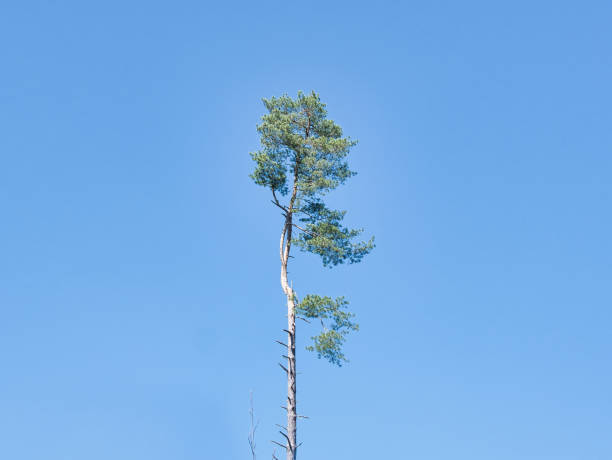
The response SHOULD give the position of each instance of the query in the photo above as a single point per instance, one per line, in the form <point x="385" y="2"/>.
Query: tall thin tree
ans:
<point x="303" y="157"/>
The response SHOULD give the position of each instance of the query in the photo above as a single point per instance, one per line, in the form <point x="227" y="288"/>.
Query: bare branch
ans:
<point x="284" y="368"/>
<point x="315" y="235"/>
<point x="283" y="344"/>
<point x="253" y="429"/>
<point x="286" y="437"/>
<point x="279" y="444"/>
<point x="277" y="203"/>
<point x="284" y="210"/>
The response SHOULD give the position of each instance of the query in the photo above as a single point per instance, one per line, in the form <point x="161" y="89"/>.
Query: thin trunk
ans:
<point x="285" y="249"/>
<point x="291" y="369"/>
<point x="291" y="382"/>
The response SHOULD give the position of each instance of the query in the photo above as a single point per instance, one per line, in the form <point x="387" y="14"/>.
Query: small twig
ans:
<point x="253" y="429"/>
<point x="277" y="203"/>
<point x="284" y="368"/>
<point x="279" y="444"/>
<point x="286" y="437"/>
<point x="314" y="235"/>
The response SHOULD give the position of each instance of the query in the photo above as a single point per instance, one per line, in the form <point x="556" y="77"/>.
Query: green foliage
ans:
<point x="298" y="141"/>
<point x="297" y="136"/>
<point x="336" y="323"/>
<point x="303" y="156"/>
<point x="325" y="236"/>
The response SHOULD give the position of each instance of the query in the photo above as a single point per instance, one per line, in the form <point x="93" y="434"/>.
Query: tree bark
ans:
<point x="291" y="382"/>
<point x="285" y="247"/>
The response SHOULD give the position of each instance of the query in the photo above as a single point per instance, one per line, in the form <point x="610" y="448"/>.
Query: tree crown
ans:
<point x="299" y="141"/>
<point x="303" y="157"/>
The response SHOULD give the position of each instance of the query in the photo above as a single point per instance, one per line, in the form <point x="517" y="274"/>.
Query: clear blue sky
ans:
<point x="139" y="288"/>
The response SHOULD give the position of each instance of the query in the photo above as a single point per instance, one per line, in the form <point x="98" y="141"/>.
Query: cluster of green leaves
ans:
<point x="299" y="142"/>
<point x="303" y="155"/>
<point x="297" y="138"/>
<point x="336" y="323"/>
<point x="325" y="236"/>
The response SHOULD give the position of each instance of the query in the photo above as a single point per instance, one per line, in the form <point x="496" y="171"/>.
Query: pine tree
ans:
<point x="302" y="158"/>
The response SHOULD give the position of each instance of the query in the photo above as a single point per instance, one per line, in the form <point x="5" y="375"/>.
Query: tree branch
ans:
<point x="277" y="203"/>
<point x="253" y="429"/>
<point x="279" y="444"/>
<point x="315" y="235"/>
<point x="286" y="437"/>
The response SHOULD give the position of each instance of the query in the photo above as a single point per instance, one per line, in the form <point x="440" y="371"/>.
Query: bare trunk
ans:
<point x="285" y="248"/>
<point x="291" y="382"/>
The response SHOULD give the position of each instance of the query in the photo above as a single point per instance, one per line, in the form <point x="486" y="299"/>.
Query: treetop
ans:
<point x="303" y="155"/>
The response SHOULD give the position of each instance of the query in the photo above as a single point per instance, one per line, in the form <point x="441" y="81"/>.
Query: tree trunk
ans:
<point x="291" y="381"/>
<point x="285" y="248"/>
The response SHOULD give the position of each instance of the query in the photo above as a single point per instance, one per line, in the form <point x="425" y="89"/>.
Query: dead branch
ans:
<point x="253" y="428"/>
<point x="279" y="444"/>
<point x="286" y="437"/>
<point x="277" y="203"/>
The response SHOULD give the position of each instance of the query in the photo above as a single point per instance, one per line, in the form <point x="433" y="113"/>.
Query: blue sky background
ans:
<point x="139" y="291"/>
